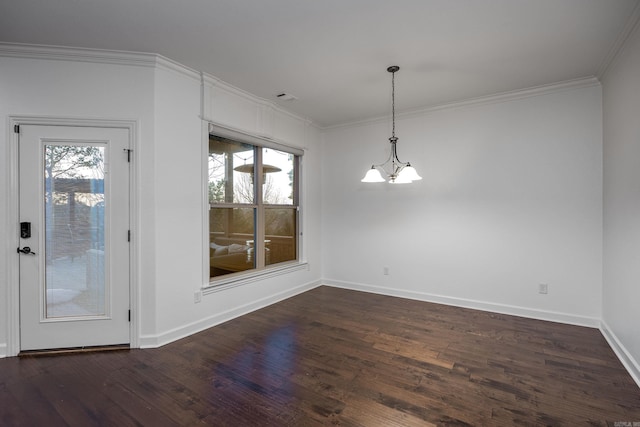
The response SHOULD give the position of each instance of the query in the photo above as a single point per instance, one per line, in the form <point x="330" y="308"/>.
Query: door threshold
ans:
<point x="73" y="350"/>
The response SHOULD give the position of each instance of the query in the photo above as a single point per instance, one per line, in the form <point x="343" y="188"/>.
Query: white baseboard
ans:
<point x="3" y="350"/>
<point x="551" y="316"/>
<point x="154" y="341"/>
<point x="629" y="362"/>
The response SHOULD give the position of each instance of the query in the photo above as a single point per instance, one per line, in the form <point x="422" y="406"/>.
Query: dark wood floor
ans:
<point x="336" y="357"/>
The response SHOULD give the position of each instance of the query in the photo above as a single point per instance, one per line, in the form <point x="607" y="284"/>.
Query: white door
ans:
<point x="74" y="238"/>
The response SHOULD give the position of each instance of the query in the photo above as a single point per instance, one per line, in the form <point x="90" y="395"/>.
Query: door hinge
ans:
<point x="128" y="150"/>
<point x="16" y="128"/>
<point x="129" y="315"/>
<point x="128" y="235"/>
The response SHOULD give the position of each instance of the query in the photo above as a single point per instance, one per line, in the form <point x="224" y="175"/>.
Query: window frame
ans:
<point x="261" y="271"/>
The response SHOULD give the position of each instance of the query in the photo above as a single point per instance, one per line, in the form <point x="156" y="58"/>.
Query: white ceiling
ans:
<point x="333" y="54"/>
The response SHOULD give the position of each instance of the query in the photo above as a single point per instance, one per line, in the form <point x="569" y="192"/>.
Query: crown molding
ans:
<point x="99" y="56"/>
<point x="61" y="53"/>
<point x="590" y="81"/>
<point x="164" y="63"/>
<point x="632" y="24"/>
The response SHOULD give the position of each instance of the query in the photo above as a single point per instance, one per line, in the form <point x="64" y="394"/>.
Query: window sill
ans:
<point x="254" y="276"/>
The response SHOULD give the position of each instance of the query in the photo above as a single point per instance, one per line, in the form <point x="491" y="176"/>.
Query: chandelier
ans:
<point x="397" y="172"/>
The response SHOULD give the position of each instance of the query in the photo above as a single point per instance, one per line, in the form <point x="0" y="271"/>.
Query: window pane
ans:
<point x="278" y="177"/>
<point x="74" y="205"/>
<point x="231" y="166"/>
<point x="231" y="237"/>
<point x="280" y="235"/>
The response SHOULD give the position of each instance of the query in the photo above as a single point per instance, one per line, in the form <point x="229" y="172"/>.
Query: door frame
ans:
<point x="13" y="273"/>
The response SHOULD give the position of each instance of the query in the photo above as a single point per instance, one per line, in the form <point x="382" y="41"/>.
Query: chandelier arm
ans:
<point x="401" y="162"/>
<point x="396" y="164"/>
<point x="394" y="151"/>
<point x="381" y="165"/>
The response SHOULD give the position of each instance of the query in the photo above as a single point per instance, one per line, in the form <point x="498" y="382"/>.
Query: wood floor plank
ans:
<point x="12" y="413"/>
<point x="334" y="357"/>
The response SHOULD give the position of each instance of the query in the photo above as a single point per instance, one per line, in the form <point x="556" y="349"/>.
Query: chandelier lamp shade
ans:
<point x="396" y="172"/>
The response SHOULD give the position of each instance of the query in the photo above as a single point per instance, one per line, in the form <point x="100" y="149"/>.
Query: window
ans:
<point x="253" y="206"/>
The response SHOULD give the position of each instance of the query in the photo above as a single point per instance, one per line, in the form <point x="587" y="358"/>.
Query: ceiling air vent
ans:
<point x="286" y="97"/>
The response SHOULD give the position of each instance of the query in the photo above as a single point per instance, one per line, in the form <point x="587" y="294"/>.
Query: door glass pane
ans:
<point x="231" y="240"/>
<point x="74" y="208"/>
<point x="231" y="165"/>
<point x="278" y="177"/>
<point x="280" y="235"/>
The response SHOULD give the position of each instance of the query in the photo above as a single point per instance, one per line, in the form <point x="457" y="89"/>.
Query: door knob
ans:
<point x="26" y="250"/>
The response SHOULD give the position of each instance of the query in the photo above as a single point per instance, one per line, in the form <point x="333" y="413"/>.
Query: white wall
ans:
<point x="621" y="296"/>
<point x="164" y="99"/>
<point x="176" y="206"/>
<point x="511" y="197"/>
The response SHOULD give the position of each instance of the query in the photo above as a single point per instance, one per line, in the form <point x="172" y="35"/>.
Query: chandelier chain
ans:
<point x="393" y="104"/>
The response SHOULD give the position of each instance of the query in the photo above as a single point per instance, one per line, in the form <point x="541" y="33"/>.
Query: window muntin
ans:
<point x="250" y="229"/>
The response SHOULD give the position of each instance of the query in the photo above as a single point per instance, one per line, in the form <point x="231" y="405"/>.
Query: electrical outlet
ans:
<point x="543" y="288"/>
<point x="385" y="271"/>
<point x="197" y="296"/>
